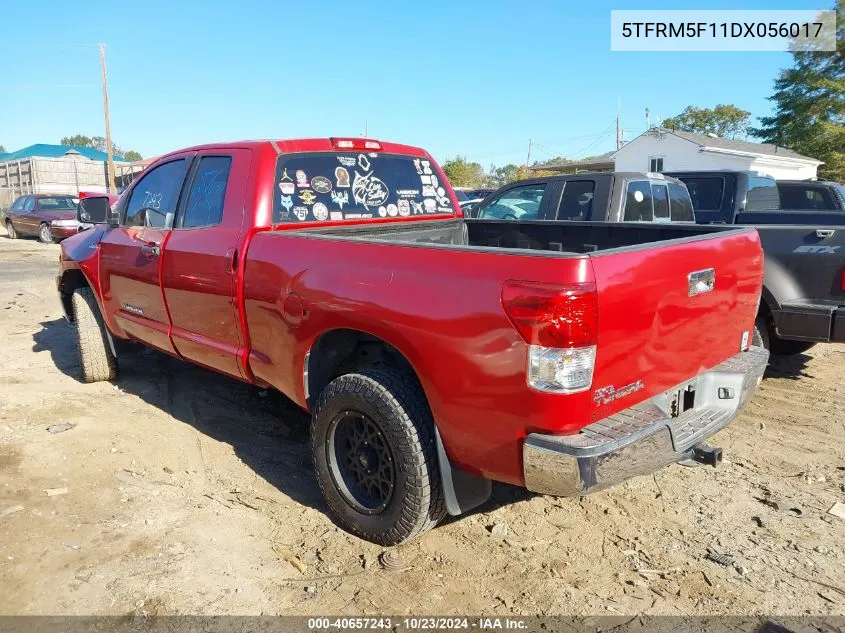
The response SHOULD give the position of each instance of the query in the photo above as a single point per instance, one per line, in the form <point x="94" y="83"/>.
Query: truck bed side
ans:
<point x="436" y="298"/>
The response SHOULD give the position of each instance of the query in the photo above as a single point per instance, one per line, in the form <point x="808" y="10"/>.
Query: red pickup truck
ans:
<point x="434" y="353"/>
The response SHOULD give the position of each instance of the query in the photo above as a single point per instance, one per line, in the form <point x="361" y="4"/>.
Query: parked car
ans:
<point x="811" y="195"/>
<point x="613" y="197"/>
<point x="479" y="193"/>
<point x="47" y="216"/>
<point x="804" y="288"/>
<point x="434" y="354"/>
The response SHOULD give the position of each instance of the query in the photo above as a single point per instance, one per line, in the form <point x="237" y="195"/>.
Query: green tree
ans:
<point x="499" y="176"/>
<point x="724" y="120"/>
<point x="462" y="173"/>
<point x="132" y="155"/>
<point x="809" y="101"/>
<point x="79" y="140"/>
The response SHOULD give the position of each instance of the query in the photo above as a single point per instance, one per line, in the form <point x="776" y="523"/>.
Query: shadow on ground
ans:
<point x="792" y="366"/>
<point x="268" y="432"/>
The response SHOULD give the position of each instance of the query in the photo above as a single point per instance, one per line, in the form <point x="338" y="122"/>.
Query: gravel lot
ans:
<point x="180" y="491"/>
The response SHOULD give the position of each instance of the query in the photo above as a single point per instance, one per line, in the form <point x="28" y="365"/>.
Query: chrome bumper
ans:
<point x="645" y="437"/>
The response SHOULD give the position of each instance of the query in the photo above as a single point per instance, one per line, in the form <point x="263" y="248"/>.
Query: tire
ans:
<point x="761" y="332"/>
<point x="44" y="235"/>
<point x="789" y="348"/>
<point x="96" y="360"/>
<point x="393" y="408"/>
<point x="10" y="230"/>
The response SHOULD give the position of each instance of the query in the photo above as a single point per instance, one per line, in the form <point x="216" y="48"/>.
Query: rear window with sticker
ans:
<point x="328" y="186"/>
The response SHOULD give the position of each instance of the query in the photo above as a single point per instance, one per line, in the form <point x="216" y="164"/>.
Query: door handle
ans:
<point x="822" y="233"/>
<point x="151" y="250"/>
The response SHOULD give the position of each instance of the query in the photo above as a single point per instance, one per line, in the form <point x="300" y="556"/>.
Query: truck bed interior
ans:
<point x="561" y="237"/>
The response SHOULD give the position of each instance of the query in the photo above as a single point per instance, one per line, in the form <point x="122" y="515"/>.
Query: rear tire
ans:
<point x="377" y="421"/>
<point x="44" y="235"/>
<point x="10" y="230"/>
<point x="96" y="360"/>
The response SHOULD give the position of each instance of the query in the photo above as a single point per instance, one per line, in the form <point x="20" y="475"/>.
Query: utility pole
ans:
<point x="528" y="160"/>
<point x="111" y="186"/>
<point x="619" y="122"/>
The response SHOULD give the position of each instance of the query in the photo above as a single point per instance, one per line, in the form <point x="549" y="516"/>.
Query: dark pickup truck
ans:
<point x="613" y="197"/>
<point x="804" y="287"/>
<point x="434" y="354"/>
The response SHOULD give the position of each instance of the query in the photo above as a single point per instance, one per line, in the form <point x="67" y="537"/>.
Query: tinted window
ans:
<point x="57" y="203"/>
<point x="208" y="191"/>
<point x="661" y="203"/>
<point x="577" y="200"/>
<point x="638" y="202"/>
<point x="762" y="194"/>
<point x="805" y="197"/>
<point x="29" y="204"/>
<point x="153" y="200"/>
<point x="705" y="193"/>
<point x="680" y="204"/>
<point x="332" y="186"/>
<point x="18" y="204"/>
<point x="461" y="196"/>
<point x="519" y="203"/>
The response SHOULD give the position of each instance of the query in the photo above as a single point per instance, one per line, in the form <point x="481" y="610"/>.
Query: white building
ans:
<point x="661" y="149"/>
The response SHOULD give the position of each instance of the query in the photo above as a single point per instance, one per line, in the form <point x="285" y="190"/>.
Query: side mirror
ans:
<point x="94" y="210"/>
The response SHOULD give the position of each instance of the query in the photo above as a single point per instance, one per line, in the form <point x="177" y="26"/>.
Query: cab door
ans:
<point x="200" y="263"/>
<point x="130" y="255"/>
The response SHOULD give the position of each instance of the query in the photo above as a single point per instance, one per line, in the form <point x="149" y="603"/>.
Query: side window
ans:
<point x="29" y="205"/>
<point x="762" y="194"/>
<point x="153" y="200"/>
<point x="680" y="204"/>
<point x="18" y="205"/>
<point x="661" y="202"/>
<point x="705" y="193"/>
<point x="638" y="202"/>
<point x="577" y="200"/>
<point x="204" y="206"/>
<point x="655" y="164"/>
<point x="519" y="203"/>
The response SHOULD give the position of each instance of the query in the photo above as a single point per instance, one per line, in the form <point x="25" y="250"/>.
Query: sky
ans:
<point x="471" y="78"/>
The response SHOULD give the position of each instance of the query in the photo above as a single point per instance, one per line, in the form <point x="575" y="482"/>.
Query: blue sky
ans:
<point x="471" y="78"/>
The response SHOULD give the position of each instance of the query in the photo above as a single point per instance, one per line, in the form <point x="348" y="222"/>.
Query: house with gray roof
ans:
<point x="660" y="149"/>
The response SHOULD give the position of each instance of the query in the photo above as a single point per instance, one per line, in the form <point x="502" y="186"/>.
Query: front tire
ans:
<point x="760" y="337"/>
<point x="96" y="360"/>
<point x="10" y="230"/>
<point x="373" y="445"/>
<point x="44" y="235"/>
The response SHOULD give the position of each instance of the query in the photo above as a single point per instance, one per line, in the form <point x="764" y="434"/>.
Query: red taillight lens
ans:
<point x="552" y="315"/>
<point x="355" y="143"/>
<point x="842" y="280"/>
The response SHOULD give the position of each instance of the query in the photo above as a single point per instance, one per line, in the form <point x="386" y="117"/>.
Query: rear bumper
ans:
<point x="805" y="321"/>
<point x="643" y="438"/>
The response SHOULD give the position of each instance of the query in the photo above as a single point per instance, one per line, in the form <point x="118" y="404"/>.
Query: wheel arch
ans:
<point x="339" y="351"/>
<point x="72" y="279"/>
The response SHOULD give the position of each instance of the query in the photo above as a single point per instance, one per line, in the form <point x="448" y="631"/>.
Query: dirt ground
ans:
<point x="181" y="491"/>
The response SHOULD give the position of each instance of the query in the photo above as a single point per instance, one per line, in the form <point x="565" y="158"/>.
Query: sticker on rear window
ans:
<point x="319" y="186"/>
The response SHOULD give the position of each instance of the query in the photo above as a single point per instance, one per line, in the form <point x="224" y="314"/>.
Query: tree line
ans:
<point x="99" y="143"/>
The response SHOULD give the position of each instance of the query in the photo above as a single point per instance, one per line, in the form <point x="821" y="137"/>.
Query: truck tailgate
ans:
<point x="659" y="323"/>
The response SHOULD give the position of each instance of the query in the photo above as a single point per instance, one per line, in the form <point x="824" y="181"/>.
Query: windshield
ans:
<point x="57" y="203"/>
<point x="317" y="187"/>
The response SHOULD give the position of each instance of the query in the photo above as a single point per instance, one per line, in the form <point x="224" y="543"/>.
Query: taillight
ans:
<point x="550" y="315"/>
<point x="560" y="324"/>
<point x="842" y="280"/>
<point x="355" y="143"/>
